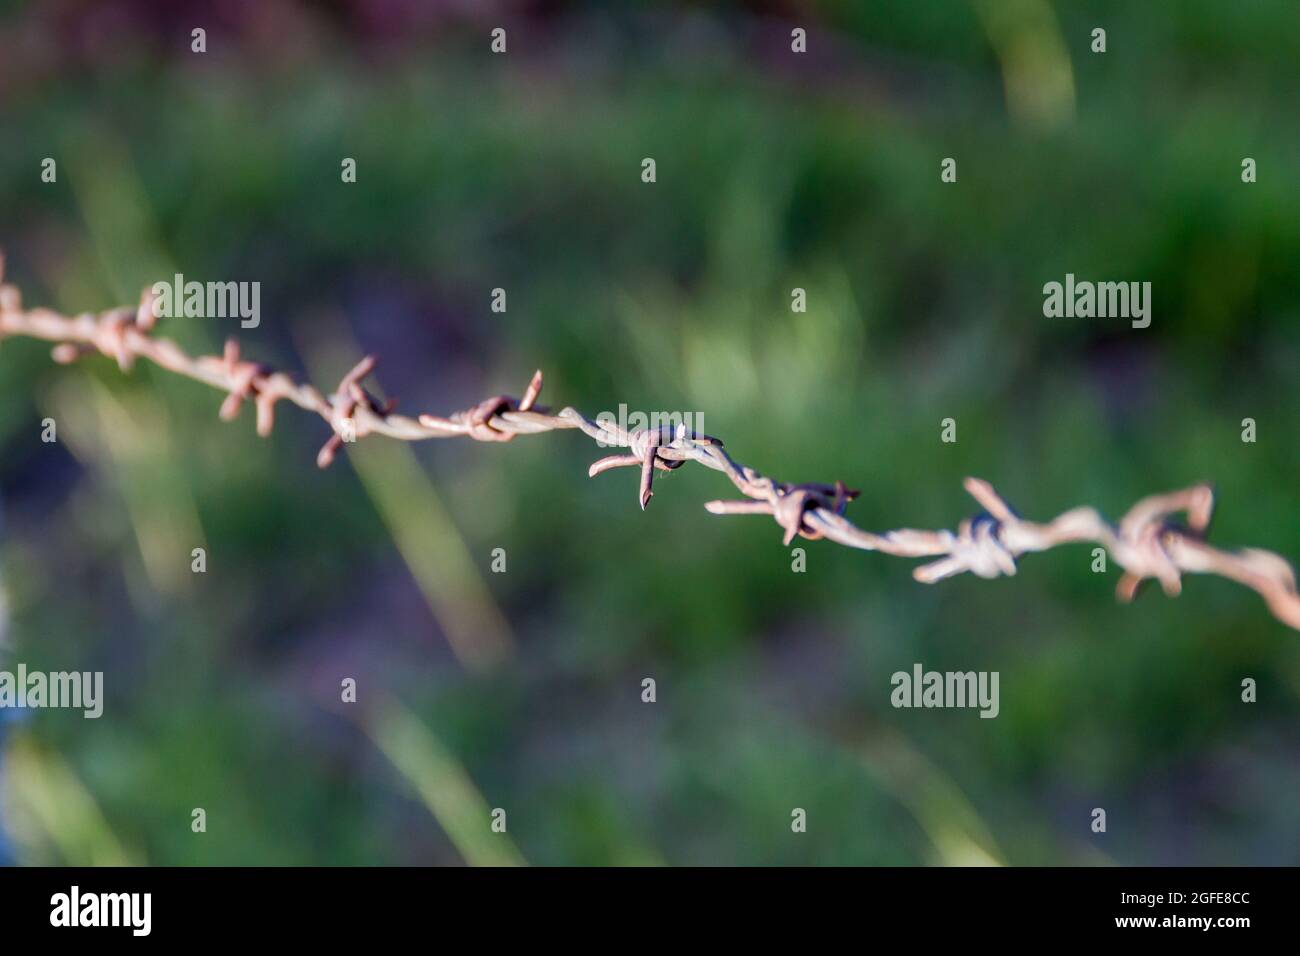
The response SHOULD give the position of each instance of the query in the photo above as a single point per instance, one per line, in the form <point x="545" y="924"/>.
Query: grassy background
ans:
<point x="774" y="171"/>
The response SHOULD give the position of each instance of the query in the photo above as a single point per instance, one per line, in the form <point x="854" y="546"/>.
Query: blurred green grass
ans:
<point x="522" y="172"/>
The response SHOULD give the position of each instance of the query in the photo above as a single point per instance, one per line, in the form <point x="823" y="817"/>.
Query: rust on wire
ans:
<point x="1148" y="543"/>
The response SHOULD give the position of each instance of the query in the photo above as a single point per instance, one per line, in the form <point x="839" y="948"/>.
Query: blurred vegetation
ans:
<point x="775" y="171"/>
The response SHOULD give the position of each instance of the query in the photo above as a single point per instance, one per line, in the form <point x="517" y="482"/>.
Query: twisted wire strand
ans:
<point x="1148" y="543"/>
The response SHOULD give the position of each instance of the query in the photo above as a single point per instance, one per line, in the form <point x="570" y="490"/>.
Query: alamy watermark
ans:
<point x="1102" y="300"/>
<point x="668" y="423"/>
<point x="208" y="300"/>
<point x="922" y="688"/>
<point x="78" y="690"/>
<point x="132" y="911"/>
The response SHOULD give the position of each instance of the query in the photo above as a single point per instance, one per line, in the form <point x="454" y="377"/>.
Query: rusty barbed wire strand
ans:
<point x="1147" y="543"/>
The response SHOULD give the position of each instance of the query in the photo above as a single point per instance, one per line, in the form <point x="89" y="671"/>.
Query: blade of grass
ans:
<point x="50" y="805"/>
<point x="427" y="538"/>
<point x="442" y="784"/>
<point x="960" y="837"/>
<point x="133" y="437"/>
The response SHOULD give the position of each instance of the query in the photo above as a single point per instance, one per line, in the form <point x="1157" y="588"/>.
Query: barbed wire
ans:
<point x="1148" y="543"/>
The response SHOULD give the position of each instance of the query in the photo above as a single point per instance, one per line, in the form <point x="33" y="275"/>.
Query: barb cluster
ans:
<point x="1147" y="544"/>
